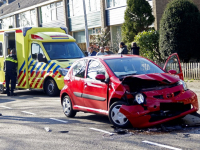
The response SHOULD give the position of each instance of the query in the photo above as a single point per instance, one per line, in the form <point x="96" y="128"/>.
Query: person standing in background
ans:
<point x="101" y="52"/>
<point x="91" y="51"/>
<point x="134" y="49"/>
<point x="107" y="50"/>
<point x="122" y="48"/>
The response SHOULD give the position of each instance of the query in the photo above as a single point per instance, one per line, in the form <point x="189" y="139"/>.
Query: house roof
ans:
<point x="18" y="5"/>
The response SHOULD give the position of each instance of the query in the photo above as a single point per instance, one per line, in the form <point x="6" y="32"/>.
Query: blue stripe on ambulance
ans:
<point x="33" y="67"/>
<point x="22" y="67"/>
<point x="52" y="65"/>
<point x="30" y="64"/>
<point x="56" y="69"/>
<point x="39" y="67"/>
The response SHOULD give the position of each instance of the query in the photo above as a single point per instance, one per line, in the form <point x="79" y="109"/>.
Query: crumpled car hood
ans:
<point x="164" y="78"/>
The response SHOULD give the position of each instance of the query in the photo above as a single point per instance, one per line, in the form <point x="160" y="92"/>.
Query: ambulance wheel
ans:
<point x="116" y="117"/>
<point x="2" y="91"/>
<point x="51" y="88"/>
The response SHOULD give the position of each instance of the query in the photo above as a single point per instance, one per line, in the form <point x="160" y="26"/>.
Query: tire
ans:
<point x="51" y="88"/>
<point x="67" y="107"/>
<point x="2" y="90"/>
<point x="117" y="118"/>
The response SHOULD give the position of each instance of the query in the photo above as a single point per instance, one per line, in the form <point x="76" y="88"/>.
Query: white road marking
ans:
<point x="59" y="120"/>
<point x="102" y="131"/>
<point x="26" y="112"/>
<point x="6" y="107"/>
<point x="161" y="145"/>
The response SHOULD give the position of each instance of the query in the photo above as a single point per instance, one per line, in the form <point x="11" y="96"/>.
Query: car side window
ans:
<point x="36" y="51"/>
<point x="79" y="69"/>
<point x="95" y="68"/>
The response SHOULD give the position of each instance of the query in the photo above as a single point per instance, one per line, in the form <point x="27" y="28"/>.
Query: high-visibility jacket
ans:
<point x="10" y="64"/>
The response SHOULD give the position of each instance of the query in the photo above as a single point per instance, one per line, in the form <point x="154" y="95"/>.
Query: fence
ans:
<point x="190" y="70"/>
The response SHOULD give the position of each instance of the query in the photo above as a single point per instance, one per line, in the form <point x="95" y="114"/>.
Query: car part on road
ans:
<point x="67" y="107"/>
<point x="117" y="118"/>
<point x="51" y="88"/>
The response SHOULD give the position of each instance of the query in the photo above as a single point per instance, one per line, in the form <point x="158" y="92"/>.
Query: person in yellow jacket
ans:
<point x="10" y="69"/>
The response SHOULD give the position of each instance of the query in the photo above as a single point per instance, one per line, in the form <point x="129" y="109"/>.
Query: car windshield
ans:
<point x="132" y="66"/>
<point x="63" y="50"/>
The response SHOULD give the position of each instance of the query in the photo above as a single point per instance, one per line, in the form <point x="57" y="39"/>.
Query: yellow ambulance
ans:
<point x="44" y="57"/>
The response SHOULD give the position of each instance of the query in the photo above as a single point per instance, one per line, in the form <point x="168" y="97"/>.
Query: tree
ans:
<point x="102" y="38"/>
<point x="138" y="17"/>
<point x="148" y="41"/>
<point x="180" y="30"/>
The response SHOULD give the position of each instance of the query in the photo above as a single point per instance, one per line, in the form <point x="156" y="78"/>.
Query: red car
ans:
<point x="129" y="89"/>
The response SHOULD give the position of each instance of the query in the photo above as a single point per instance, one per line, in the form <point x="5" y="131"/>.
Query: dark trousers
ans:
<point x="12" y="77"/>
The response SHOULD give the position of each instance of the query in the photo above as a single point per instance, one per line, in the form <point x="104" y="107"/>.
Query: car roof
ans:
<point x="104" y="57"/>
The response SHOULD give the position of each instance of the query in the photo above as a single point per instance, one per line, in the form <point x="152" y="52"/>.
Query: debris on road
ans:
<point x="47" y="129"/>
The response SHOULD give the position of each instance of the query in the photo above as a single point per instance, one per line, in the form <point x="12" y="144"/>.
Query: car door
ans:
<point x="95" y="91"/>
<point x="173" y="63"/>
<point x="76" y="84"/>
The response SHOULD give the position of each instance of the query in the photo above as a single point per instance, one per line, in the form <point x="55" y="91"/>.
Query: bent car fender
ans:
<point x="133" y="113"/>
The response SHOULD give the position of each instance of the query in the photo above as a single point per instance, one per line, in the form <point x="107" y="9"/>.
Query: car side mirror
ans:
<point x="172" y="71"/>
<point x="100" y="77"/>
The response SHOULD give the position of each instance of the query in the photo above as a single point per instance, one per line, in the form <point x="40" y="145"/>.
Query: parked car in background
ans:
<point x="129" y="89"/>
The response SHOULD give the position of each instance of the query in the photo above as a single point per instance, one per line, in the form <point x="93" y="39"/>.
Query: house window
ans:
<point x="27" y="18"/>
<point x="33" y="18"/>
<point x="48" y="13"/>
<point x="115" y="3"/>
<point x="8" y="22"/>
<point x="75" y="7"/>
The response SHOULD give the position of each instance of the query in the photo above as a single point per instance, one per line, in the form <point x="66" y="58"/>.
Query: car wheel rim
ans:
<point x="50" y="87"/>
<point x="117" y="117"/>
<point x="66" y="106"/>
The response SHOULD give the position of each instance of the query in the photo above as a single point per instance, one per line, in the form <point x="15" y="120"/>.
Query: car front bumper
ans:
<point x="160" y="110"/>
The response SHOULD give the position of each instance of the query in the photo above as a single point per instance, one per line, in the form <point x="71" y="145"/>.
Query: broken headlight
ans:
<point x="139" y="98"/>
<point x="181" y="82"/>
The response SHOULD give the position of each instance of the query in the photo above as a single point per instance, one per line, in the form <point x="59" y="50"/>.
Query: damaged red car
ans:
<point x="129" y="89"/>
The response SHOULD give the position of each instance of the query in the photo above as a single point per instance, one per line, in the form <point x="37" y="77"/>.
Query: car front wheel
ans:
<point x="67" y="107"/>
<point x="116" y="117"/>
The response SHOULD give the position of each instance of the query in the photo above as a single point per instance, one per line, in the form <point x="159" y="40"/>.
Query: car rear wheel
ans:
<point x="116" y="117"/>
<point x="51" y="88"/>
<point x="67" y="107"/>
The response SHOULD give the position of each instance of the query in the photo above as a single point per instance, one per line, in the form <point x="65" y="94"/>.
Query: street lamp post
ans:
<point x="86" y="26"/>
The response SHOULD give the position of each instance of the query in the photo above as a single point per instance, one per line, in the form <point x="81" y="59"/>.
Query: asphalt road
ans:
<point x="33" y="121"/>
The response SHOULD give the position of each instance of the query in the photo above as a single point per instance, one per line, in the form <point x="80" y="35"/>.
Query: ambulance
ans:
<point x="44" y="56"/>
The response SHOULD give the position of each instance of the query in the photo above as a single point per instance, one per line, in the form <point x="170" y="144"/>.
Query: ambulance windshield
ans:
<point x="63" y="50"/>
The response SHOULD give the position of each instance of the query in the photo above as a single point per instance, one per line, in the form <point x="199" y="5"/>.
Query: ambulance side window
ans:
<point x="1" y="50"/>
<point x="36" y="51"/>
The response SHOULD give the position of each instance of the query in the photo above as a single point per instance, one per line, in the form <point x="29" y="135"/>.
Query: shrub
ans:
<point x="148" y="41"/>
<point x="180" y="30"/>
